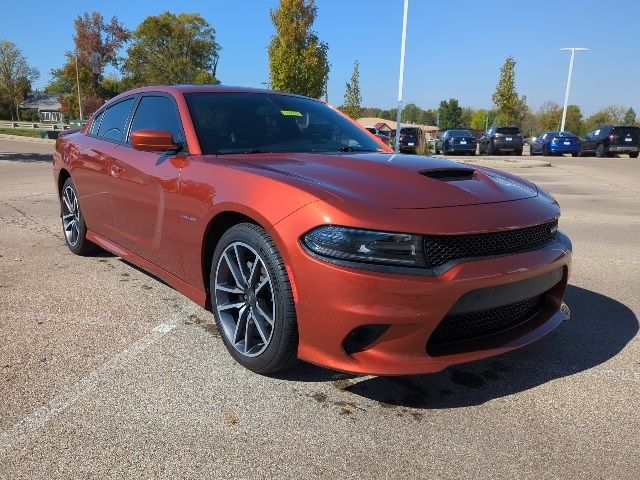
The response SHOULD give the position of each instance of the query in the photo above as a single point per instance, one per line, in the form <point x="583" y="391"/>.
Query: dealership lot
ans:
<point x="105" y="371"/>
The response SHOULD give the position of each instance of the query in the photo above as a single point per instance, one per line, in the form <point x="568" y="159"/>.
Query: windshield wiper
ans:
<point x="252" y="150"/>
<point x="353" y="149"/>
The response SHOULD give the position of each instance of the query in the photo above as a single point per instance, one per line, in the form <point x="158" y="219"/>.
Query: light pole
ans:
<point x="566" y="94"/>
<point x="401" y="79"/>
<point x="78" y="80"/>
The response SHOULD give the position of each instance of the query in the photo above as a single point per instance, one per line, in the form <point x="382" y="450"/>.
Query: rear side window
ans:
<point x="115" y="120"/>
<point x="96" y="124"/>
<point x="158" y="113"/>
<point x="508" y="130"/>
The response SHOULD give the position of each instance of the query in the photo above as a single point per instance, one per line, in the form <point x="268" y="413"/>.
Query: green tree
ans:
<point x="482" y="119"/>
<point x="465" y="118"/>
<point x="16" y="76"/>
<point x="297" y="58"/>
<point x="352" y="96"/>
<point x="172" y="49"/>
<point x="428" y="117"/>
<point x="510" y="109"/>
<point x="610" y="115"/>
<point x="92" y="33"/>
<point x="450" y="114"/>
<point x="630" y="117"/>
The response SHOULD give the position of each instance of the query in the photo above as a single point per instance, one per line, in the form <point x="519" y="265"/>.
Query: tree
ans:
<point x="297" y="58"/>
<point x="428" y="117"/>
<point x="450" y="114"/>
<point x="510" y="109"/>
<point x="352" y="96"/>
<point x="172" y="49"/>
<point x="482" y="119"/>
<point x="610" y="115"/>
<point x="92" y="34"/>
<point x="16" y="76"/>
<point x="630" y="117"/>
<point x="465" y="117"/>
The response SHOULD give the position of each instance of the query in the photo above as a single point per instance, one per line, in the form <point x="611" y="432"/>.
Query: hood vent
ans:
<point x="450" y="174"/>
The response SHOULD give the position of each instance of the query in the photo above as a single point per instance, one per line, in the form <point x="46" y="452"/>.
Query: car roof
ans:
<point x="183" y="89"/>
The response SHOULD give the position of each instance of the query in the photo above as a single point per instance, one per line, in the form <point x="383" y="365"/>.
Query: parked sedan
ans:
<point x="556" y="143"/>
<point x="501" y="139"/>
<point x="608" y="140"/>
<point x="308" y="238"/>
<point x="456" y="141"/>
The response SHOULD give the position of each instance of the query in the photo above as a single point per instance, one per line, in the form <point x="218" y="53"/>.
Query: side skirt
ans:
<point x="181" y="286"/>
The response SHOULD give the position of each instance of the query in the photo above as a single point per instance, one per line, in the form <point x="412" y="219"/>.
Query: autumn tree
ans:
<point x="352" y="95"/>
<point x="450" y="114"/>
<point x="93" y="34"/>
<point x="630" y="117"/>
<point x="16" y="76"/>
<point x="297" y="58"/>
<point x="510" y="108"/>
<point x="172" y="49"/>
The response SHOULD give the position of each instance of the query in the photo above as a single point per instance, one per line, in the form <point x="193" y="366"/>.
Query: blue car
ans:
<point x="556" y="143"/>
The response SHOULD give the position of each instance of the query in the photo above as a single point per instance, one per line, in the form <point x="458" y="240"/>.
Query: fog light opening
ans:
<point x="361" y="338"/>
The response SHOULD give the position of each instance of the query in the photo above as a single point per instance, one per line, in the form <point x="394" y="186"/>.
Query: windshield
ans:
<point x="229" y="123"/>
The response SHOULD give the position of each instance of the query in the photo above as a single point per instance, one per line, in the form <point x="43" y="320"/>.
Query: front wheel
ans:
<point x="252" y="301"/>
<point x="600" y="151"/>
<point x="633" y="155"/>
<point x="73" y="226"/>
<point x="518" y="153"/>
<point x="575" y="154"/>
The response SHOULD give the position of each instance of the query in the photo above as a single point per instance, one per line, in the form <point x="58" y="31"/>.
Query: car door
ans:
<point x="590" y="140"/>
<point x="146" y="185"/>
<point x="91" y="173"/>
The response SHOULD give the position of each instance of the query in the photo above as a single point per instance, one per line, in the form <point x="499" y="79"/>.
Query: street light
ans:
<point x="401" y="79"/>
<point x="566" y="94"/>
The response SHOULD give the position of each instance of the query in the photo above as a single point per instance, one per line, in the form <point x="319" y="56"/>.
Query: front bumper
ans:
<point x="332" y="301"/>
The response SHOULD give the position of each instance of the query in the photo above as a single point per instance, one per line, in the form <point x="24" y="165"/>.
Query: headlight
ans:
<point x="366" y="246"/>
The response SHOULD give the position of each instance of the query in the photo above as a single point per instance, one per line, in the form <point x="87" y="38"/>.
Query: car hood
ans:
<point x="394" y="181"/>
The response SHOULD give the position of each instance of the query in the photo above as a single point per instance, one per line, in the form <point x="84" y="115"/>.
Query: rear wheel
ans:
<point x="252" y="301"/>
<point x="545" y="151"/>
<point x="490" y="150"/>
<point x="518" y="153"/>
<point x="600" y="151"/>
<point x="633" y="155"/>
<point x="73" y="226"/>
<point x="575" y="154"/>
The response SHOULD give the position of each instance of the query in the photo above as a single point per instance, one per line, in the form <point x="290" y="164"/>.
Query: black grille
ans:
<point x="449" y="174"/>
<point x="465" y="326"/>
<point x="440" y="249"/>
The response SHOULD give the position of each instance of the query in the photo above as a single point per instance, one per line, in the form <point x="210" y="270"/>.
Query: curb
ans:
<point x="506" y="162"/>
<point x="27" y="139"/>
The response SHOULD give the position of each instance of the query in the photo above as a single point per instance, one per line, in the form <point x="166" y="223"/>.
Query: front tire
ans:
<point x="633" y="155"/>
<point x="600" y="153"/>
<point x="73" y="225"/>
<point x="252" y="301"/>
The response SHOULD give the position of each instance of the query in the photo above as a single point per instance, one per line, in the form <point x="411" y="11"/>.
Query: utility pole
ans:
<point x="566" y="93"/>
<point x="401" y="79"/>
<point x="78" y="80"/>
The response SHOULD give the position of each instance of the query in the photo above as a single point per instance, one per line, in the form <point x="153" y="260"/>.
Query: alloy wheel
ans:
<point x="70" y="216"/>
<point x="245" y="299"/>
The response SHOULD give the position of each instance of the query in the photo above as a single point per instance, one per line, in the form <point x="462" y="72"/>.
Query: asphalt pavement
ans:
<point x="106" y="372"/>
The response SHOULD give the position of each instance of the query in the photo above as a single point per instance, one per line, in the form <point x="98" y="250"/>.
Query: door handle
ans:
<point x="115" y="170"/>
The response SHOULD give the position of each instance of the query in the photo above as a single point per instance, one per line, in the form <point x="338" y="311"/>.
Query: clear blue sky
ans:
<point x="454" y="47"/>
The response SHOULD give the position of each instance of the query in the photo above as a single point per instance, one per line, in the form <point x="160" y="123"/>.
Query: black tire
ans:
<point x="518" y="153"/>
<point x="633" y="154"/>
<point x="600" y="152"/>
<point x="575" y="154"/>
<point x="436" y="150"/>
<point x="472" y="153"/>
<point x="70" y="212"/>
<point x="281" y="351"/>
<point x="444" y="149"/>
<point x="490" y="150"/>
<point x="532" y="153"/>
<point x="545" y="151"/>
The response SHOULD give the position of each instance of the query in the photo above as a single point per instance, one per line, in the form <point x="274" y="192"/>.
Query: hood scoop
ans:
<point x="450" y="174"/>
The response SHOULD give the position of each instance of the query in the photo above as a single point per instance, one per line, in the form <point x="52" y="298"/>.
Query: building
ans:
<point x="47" y="106"/>
<point x="383" y="125"/>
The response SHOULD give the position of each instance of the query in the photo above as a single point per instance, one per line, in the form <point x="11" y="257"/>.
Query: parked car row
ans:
<point x="606" y="140"/>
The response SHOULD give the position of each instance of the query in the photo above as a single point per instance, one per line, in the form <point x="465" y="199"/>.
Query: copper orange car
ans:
<point x="307" y="237"/>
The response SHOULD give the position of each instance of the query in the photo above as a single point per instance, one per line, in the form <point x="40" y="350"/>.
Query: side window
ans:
<point x="157" y="113"/>
<point x="115" y="120"/>
<point x="96" y="124"/>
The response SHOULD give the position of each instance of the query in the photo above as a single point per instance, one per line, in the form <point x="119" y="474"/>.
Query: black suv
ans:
<point x="608" y="140"/>
<point x="410" y="138"/>
<point x="501" y="139"/>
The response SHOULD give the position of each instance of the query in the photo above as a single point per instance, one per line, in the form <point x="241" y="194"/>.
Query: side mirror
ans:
<point x="153" y="141"/>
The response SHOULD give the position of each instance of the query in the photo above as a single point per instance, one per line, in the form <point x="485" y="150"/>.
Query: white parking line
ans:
<point x="33" y="422"/>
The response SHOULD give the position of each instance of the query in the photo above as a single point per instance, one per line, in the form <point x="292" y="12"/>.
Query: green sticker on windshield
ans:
<point x="290" y="113"/>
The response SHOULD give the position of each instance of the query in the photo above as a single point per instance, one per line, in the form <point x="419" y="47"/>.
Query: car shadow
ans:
<point x="26" y="157"/>
<point x="599" y="328"/>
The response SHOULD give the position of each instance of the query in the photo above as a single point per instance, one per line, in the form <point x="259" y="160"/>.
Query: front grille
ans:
<point x="466" y="326"/>
<point x="440" y="249"/>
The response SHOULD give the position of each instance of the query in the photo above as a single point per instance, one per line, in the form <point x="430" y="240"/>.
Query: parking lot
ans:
<point x="106" y="371"/>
